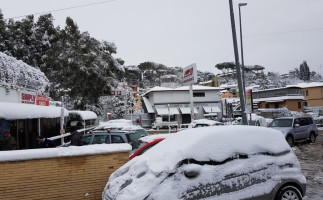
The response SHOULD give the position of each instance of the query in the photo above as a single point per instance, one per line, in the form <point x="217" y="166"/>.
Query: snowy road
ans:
<point x="311" y="160"/>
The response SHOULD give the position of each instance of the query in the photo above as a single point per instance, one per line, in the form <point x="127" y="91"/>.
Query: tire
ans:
<point x="312" y="138"/>
<point x="289" y="192"/>
<point x="290" y="140"/>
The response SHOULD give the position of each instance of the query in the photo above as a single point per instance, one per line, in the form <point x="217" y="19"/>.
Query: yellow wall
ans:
<point x="227" y="95"/>
<point x="59" y="178"/>
<point x="315" y="96"/>
<point x="292" y="105"/>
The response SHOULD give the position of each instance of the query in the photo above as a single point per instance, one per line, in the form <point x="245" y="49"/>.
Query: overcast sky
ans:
<point x="278" y="34"/>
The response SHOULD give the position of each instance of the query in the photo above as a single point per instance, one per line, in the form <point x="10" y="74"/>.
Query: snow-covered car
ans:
<point x="224" y="162"/>
<point x="204" y="122"/>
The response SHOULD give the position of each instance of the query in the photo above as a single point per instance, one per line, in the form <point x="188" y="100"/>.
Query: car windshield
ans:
<point x="136" y="135"/>
<point x="136" y="145"/>
<point x="281" y="123"/>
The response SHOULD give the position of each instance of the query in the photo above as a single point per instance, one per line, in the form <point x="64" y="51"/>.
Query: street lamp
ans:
<point x="238" y="69"/>
<point x="242" y="60"/>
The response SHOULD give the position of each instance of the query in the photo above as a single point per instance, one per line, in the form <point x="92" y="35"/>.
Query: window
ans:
<point x="281" y="123"/>
<point x="267" y="105"/>
<point x="303" y="122"/>
<point x="117" y="139"/>
<point x="306" y="92"/>
<point x="276" y="105"/>
<point x="299" y="105"/>
<point x="198" y="94"/>
<point x="100" y="139"/>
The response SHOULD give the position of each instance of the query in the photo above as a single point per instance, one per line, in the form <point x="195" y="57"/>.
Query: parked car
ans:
<point x="108" y="137"/>
<point x="224" y="162"/>
<point x="159" y="123"/>
<point x="204" y="122"/>
<point x="296" y="129"/>
<point x="143" y="144"/>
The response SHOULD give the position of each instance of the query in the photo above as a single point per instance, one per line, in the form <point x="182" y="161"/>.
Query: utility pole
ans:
<point x="239" y="77"/>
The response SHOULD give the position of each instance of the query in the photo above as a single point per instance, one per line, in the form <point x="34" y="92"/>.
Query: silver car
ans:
<point x="216" y="162"/>
<point x="296" y="129"/>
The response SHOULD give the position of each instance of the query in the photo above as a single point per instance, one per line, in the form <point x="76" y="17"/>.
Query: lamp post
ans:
<point x="236" y="55"/>
<point x="242" y="60"/>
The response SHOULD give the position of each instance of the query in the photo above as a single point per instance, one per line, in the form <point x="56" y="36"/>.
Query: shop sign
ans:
<point x="42" y="100"/>
<point x="190" y="74"/>
<point x="28" y="98"/>
<point x="249" y="101"/>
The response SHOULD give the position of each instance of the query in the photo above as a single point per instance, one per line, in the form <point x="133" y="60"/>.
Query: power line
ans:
<point x="61" y="9"/>
<point x="284" y="32"/>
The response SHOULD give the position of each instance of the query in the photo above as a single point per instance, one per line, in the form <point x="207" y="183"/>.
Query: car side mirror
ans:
<point x="296" y="125"/>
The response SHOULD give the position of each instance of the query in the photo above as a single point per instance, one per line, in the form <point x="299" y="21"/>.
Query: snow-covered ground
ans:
<point x="310" y="157"/>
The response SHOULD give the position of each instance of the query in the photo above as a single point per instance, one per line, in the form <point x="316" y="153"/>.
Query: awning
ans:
<point x="213" y="109"/>
<point x="187" y="110"/>
<point x="148" y="105"/>
<point x="85" y="115"/>
<point x="12" y="111"/>
<point x="164" y="111"/>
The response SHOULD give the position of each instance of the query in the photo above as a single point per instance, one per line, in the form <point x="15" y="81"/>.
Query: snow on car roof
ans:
<point x="206" y="121"/>
<point x="115" y="123"/>
<point x="216" y="143"/>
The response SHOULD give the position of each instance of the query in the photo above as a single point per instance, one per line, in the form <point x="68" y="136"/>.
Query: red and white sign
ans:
<point x="28" y="98"/>
<point x="42" y="100"/>
<point x="190" y="74"/>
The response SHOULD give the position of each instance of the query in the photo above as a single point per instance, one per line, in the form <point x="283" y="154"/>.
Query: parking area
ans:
<point x="311" y="160"/>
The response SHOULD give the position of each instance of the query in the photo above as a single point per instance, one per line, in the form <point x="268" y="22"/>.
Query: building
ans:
<point x="313" y="93"/>
<point x="161" y="101"/>
<point x="290" y="97"/>
<point x="26" y="115"/>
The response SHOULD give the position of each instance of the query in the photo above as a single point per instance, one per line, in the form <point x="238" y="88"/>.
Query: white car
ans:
<point x="224" y="162"/>
<point x="204" y="122"/>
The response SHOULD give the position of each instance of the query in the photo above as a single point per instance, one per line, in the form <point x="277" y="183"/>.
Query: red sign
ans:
<point x="28" y="98"/>
<point x="188" y="72"/>
<point x="42" y="100"/>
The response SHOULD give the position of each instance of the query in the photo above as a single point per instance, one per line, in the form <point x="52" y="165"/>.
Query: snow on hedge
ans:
<point x="32" y="154"/>
<point x="17" y="74"/>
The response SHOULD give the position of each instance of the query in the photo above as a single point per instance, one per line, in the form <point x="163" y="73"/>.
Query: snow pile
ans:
<point x="31" y="154"/>
<point x="17" y="74"/>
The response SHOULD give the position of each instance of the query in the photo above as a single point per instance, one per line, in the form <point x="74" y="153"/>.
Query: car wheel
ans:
<point x="312" y="138"/>
<point x="290" y="140"/>
<point x="289" y="193"/>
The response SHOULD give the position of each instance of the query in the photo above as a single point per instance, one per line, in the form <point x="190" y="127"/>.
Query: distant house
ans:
<point x="290" y="97"/>
<point x="157" y="100"/>
<point x="313" y="93"/>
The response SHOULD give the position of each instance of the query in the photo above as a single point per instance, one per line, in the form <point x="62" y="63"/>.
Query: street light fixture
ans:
<point x="242" y="60"/>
